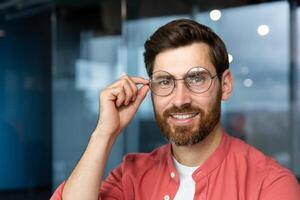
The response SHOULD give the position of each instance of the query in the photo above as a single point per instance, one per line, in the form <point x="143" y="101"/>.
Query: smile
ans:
<point x="184" y="116"/>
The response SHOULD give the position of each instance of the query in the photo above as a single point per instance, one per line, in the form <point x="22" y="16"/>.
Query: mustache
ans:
<point x="186" y="108"/>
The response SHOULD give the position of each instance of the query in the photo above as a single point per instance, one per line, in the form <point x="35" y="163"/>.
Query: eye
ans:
<point x="164" y="82"/>
<point x="196" y="79"/>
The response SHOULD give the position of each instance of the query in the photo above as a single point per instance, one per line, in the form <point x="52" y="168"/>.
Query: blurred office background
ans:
<point x="57" y="55"/>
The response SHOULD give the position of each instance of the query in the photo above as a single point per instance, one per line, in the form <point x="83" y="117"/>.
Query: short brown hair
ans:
<point x="183" y="32"/>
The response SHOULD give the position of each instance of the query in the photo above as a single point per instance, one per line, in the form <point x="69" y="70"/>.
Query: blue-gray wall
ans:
<point x="25" y="103"/>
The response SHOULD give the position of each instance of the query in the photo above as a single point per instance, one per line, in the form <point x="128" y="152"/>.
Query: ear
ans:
<point x="226" y="84"/>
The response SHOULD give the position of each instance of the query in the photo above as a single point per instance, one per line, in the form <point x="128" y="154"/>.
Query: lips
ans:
<point x="183" y="116"/>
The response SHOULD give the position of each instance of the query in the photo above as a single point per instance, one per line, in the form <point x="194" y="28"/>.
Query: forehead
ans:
<point x="179" y="60"/>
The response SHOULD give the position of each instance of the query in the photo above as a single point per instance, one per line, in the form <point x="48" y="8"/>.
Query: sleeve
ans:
<point x="283" y="185"/>
<point x="57" y="195"/>
<point x="118" y="184"/>
<point x="112" y="187"/>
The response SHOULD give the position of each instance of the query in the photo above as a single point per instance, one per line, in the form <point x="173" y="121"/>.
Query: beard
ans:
<point x="189" y="134"/>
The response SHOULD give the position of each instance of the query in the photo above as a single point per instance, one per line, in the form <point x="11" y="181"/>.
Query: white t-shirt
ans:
<point x="186" y="189"/>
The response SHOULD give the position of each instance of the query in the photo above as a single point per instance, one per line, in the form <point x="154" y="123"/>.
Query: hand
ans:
<point x="119" y="103"/>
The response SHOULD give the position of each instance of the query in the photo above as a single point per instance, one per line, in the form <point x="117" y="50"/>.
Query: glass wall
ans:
<point x="87" y="56"/>
<point x="258" y="42"/>
<point x="25" y="103"/>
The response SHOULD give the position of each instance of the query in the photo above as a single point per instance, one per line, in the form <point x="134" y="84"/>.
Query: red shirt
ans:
<point x="235" y="171"/>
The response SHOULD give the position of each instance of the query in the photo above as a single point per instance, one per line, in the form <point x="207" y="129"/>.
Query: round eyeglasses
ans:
<point x="197" y="79"/>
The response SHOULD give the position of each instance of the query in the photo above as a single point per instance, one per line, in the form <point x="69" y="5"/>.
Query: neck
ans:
<point x="196" y="154"/>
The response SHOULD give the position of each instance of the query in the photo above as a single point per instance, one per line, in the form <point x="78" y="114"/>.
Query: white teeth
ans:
<point x="183" y="116"/>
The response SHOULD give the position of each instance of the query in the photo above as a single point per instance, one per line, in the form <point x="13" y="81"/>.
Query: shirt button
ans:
<point x="172" y="174"/>
<point x="166" y="197"/>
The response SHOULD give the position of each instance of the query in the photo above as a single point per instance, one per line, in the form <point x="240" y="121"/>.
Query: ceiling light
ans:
<point x="230" y="58"/>
<point x="263" y="30"/>
<point x="215" y="15"/>
<point x="248" y="82"/>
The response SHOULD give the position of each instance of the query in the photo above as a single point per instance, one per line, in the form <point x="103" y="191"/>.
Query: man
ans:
<point x="189" y="77"/>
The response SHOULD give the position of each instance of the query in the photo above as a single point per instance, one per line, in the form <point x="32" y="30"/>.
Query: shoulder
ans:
<point x="135" y="160"/>
<point x="138" y="164"/>
<point x="264" y="169"/>
<point x="242" y="150"/>
<point x="255" y="158"/>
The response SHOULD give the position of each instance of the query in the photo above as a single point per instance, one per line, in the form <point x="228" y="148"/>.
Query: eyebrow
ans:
<point x="163" y="76"/>
<point x="184" y="75"/>
<point x="195" y="73"/>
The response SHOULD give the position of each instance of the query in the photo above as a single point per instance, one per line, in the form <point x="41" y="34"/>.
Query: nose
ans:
<point x="181" y="94"/>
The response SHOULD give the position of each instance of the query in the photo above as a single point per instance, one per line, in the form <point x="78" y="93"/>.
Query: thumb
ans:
<point x="142" y="92"/>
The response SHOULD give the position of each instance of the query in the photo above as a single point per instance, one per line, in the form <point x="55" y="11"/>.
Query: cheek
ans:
<point x="206" y="102"/>
<point x="202" y="103"/>
<point x="160" y="104"/>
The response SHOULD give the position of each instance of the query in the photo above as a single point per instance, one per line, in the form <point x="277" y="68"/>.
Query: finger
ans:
<point x="142" y="92"/>
<point x="134" y="88"/>
<point x="139" y="80"/>
<point x="135" y="80"/>
<point x="130" y="89"/>
<point x="119" y="95"/>
<point x="132" y="84"/>
<point x="128" y="92"/>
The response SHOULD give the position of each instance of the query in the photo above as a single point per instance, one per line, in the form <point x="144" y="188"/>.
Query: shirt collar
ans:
<point x="213" y="161"/>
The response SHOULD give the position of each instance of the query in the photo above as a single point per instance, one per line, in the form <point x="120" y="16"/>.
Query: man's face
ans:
<point x="185" y="117"/>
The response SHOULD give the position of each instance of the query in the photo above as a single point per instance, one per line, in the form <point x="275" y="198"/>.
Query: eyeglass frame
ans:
<point x="184" y="79"/>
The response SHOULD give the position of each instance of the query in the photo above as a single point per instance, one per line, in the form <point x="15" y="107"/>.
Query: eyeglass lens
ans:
<point x="197" y="79"/>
